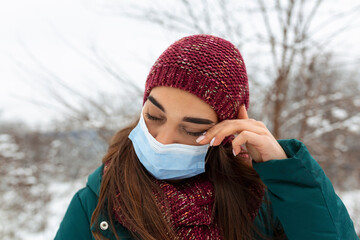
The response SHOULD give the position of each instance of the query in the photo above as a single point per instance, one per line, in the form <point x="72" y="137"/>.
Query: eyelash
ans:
<point x="152" y="118"/>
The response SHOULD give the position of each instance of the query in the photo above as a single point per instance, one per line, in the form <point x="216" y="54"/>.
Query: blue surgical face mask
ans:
<point x="167" y="161"/>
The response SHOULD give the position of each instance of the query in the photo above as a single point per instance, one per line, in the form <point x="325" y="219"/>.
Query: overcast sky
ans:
<point x="46" y="28"/>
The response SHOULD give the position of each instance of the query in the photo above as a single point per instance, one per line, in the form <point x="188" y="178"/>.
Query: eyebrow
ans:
<point x="185" y="119"/>
<point x="156" y="103"/>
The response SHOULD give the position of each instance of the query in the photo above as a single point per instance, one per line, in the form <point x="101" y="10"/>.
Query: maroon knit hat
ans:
<point x="209" y="67"/>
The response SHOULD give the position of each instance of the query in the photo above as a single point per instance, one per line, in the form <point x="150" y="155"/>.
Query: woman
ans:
<point x="194" y="166"/>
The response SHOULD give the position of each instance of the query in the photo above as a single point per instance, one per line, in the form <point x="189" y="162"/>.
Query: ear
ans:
<point x="242" y="114"/>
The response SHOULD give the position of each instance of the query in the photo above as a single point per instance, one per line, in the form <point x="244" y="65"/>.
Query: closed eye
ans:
<point x="196" y="134"/>
<point x="150" y="117"/>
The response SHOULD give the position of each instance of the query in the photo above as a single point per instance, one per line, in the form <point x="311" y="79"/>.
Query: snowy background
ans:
<point x="72" y="73"/>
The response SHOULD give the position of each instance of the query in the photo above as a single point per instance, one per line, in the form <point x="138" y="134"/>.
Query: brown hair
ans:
<point x="236" y="187"/>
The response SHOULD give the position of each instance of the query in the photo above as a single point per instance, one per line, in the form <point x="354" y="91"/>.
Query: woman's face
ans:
<point x="176" y="116"/>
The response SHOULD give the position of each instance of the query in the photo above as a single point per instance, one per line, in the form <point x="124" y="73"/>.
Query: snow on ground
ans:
<point x="352" y="203"/>
<point x="9" y="148"/>
<point x="62" y="193"/>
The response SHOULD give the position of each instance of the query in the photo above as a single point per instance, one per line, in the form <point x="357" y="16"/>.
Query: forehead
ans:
<point x="174" y="99"/>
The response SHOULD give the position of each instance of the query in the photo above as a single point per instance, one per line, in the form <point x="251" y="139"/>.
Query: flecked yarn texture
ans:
<point x="190" y="210"/>
<point x="189" y="207"/>
<point x="207" y="66"/>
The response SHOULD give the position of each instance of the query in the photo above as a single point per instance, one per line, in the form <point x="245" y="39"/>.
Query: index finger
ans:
<point x="217" y="133"/>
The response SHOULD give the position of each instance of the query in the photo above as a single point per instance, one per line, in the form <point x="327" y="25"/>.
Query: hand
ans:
<point x="260" y="143"/>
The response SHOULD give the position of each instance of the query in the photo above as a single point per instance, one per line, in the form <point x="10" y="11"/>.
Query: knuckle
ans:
<point x="239" y="124"/>
<point x="227" y="122"/>
<point x="244" y="133"/>
<point x="237" y="141"/>
<point x="209" y="132"/>
<point x="261" y="123"/>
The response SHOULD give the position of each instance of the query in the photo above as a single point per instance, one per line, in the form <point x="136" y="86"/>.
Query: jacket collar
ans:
<point x="94" y="180"/>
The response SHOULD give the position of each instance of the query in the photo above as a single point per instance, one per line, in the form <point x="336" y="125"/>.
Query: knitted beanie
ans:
<point x="209" y="67"/>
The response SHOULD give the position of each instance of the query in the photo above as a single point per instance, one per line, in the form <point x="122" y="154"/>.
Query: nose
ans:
<point x="165" y="136"/>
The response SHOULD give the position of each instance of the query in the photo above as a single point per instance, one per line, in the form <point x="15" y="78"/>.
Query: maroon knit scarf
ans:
<point x="191" y="208"/>
<point x="191" y="204"/>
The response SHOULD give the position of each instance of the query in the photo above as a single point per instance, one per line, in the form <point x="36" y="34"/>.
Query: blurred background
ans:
<point x="73" y="72"/>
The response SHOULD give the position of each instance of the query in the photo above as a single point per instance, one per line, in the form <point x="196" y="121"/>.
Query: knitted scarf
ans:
<point x="191" y="207"/>
<point x="191" y="204"/>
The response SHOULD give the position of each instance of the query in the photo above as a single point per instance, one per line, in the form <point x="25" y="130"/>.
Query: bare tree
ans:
<point x="295" y="53"/>
<point x="287" y="30"/>
<point x="21" y="180"/>
<point x="101" y="111"/>
<point x="32" y="166"/>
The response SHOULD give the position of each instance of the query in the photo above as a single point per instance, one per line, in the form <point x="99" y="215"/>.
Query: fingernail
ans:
<point x="212" y="141"/>
<point x="200" y="138"/>
<point x="234" y="152"/>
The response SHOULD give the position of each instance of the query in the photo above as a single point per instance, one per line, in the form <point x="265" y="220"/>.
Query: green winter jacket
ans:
<point x="303" y="203"/>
